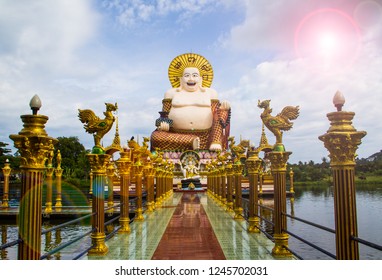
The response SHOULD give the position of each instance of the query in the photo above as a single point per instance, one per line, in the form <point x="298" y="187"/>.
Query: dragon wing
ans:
<point x="289" y="113"/>
<point x="90" y="120"/>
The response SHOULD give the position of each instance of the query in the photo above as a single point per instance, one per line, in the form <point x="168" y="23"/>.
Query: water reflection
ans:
<point x="49" y="241"/>
<point x="316" y="204"/>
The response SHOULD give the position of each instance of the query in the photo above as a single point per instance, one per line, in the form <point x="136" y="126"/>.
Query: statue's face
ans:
<point x="191" y="79"/>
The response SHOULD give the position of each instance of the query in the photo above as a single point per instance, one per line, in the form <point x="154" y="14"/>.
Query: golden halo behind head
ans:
<point x="179" y="63"/>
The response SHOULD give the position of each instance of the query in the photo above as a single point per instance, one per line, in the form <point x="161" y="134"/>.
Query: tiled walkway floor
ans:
<point x="189" y="235"/>
<point x="177" y="230"/>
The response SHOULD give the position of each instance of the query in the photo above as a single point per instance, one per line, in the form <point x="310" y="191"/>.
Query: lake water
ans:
<point x="313" y="203"/>
<point x="316" y="204"/>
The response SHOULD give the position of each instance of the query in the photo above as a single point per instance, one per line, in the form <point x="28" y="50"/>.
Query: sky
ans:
<point x="79" y="54"/>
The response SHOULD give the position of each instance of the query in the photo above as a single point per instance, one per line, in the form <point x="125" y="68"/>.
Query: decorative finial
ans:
<point x="338" y="100"/>
<point x="35" y="104"/>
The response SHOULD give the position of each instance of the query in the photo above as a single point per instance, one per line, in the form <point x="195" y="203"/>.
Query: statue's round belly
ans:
<point x="191" y="117"/>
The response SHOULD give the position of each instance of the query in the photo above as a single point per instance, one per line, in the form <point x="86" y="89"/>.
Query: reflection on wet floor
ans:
<point x="189" y="234"/>
<point x="188" y="226"/>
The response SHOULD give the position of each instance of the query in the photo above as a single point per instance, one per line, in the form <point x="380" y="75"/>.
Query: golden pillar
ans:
<point x="260" y="182"/>
<point x="223" y="176"/>
<point x="6" y="173"/>
<point x="278" y="167"/>
<point x="98" y="163"/>
<point x="91" y="182"/>
<point x="149" y="172"/>
<point x="124" y="165"/>
<point x="210" y="179"/>
<point x="171" y="178"/>
<point x="342" y="141"/>
<point x="34" y="146"/>
<point x="168" y="180"/>
<point x="158" y="187"/>
<point x="218" y="184"/>
<point x="291" y="183"/>
<point x="214" y="183"/>
<point x="58" y="172"/>
<point x="138" y="171"/>
<point x="229" y="173"/>
<point x="209" y="171"/>
<point x="164" y="183"/>
<point x="253" y="164"/>
<point x="110" y="186"/>
<point x="49" y="189"/>
<point x="238" y="169"/>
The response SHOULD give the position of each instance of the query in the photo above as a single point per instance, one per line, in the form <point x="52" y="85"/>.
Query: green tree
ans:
<point x="3" y="150"/>
<point x="14" y="160"/>
<point x="73" y="155"/>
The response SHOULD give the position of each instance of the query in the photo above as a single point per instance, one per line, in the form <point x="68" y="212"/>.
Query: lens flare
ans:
<point x="328" y="43"/>
<point x="327" y="39"/>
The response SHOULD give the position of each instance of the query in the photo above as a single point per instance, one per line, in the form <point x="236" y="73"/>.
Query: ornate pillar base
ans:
<point x="158" y="204"/>
<point x="224" y="203"/>
<point x="48" y="208"/>
<point x="125" y="225"/>
<point x="58" y="205"/>
<point x="229" y="207"/>
<point x="150" y="207"/>
<point x="5" y="203"/>
<point x="139" y="215"/>
<point x="99" y="246"/>
<point x="238" y="214"/>
<point x="254" y="224"/>
<point x="281" y="242"/>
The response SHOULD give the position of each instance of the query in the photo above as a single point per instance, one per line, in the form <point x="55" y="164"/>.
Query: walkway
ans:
<point x="180" y="230"/>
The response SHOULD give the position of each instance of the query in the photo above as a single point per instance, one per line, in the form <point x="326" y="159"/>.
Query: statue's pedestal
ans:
<point x="191" y="184"/>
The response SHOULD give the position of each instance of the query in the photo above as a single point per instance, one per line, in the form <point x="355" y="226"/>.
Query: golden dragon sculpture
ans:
<point x="279" y="123"/>
<point x="238" y="151"/>
<point x="97" y="126"/>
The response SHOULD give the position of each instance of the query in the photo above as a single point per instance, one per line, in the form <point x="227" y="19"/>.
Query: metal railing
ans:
<point x="62" y="246"/>
<point x="311" y="244"/>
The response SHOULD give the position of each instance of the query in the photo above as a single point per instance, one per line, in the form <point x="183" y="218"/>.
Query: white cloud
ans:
<point x="45" y="33"/>
<point x="269" y="29"/>
<point x="43" y="40"/>
<point x="270" y="26"/>
<point x="134" y="13"/>
<point x="292" y="83"/>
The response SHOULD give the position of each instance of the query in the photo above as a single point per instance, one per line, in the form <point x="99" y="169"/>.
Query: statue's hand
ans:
<point x="224" y="105"/>
<point x="164" y="126"/>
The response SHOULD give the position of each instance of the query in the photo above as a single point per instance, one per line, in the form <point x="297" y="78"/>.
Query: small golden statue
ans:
<point x="277" y="123"/>
<point x="238" y="151"/>
<point x="97" y="126"/>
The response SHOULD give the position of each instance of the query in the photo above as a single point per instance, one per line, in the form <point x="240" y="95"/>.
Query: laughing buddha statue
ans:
<point x="192" y="117"/>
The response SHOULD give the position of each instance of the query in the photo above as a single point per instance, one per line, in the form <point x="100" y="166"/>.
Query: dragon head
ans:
<point x="264" y="104"/>
<point x="111" y="107"/>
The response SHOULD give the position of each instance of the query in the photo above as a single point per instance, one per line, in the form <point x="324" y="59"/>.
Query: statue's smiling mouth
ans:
<point x="191" y="84"/>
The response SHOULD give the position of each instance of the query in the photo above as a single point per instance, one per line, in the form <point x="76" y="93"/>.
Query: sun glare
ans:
<point x="327" y="39"/>
<point x="328" y="44"/>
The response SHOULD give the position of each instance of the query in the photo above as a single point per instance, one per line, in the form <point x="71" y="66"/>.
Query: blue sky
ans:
<point x="79" y="54"/>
